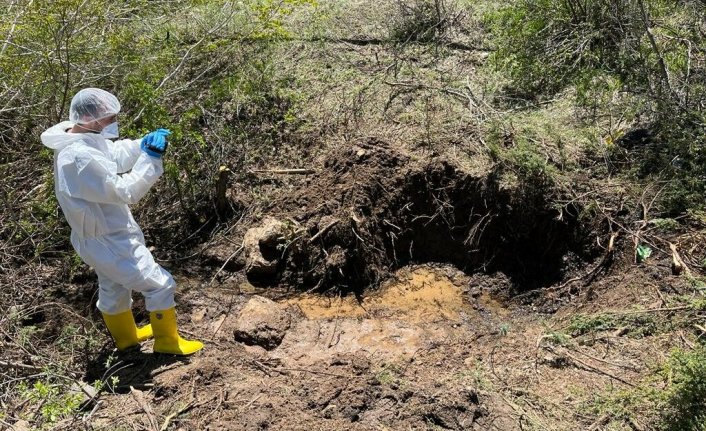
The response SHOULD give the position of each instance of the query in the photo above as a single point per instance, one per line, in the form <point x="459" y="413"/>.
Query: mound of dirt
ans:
<point x="372" y="209"/>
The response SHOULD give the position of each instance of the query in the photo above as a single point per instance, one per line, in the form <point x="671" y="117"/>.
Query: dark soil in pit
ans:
<point x="372" y="210"/>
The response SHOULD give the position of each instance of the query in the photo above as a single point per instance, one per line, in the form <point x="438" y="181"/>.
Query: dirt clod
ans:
<point x="262" y="322"/>
<point x="261" y="248"/>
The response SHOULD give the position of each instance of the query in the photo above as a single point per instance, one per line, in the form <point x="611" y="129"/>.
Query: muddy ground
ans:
<point x="431" y="349"/>
<point x="390" y="294"/>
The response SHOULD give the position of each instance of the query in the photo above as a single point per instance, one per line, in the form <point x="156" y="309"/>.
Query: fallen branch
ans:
<point x="188" y="406"/>
<point x="678" y="265"/>
<point x="323" y="373"/>
<point x="600" y="422"/>
<point x="651" y="310"/>
<point x="284" y="171"/>
<point x="19" y="366"/>
<point x="137" y="395"/>
<point x="615" y="364"/>
<point x="598" y="370"/>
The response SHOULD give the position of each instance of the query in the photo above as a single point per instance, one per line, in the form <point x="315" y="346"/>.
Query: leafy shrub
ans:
<point x="203" y="68"/>
<point x="638" y="325"/>
<point x="548" y="45"/>
<point x="648" y="53"/>
<point x="683" y="400"/>
<point x="55" y="404"/>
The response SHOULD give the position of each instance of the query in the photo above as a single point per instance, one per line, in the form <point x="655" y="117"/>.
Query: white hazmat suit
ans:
<point x="95" y="181"/>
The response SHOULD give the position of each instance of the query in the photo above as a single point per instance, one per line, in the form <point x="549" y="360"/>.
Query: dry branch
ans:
<point x="678" y="265"/>
<point x="597" y="370"/>
<point x="19" y="366"/>
<point x="139" y="398"/>
<point x="284" y="171"/>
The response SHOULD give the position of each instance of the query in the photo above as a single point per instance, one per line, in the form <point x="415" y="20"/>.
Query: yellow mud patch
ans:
<point x="420" y="309"/>
<point x="418" y="295"/>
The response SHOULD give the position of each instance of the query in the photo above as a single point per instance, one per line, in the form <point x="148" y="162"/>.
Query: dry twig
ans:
<point x="323" y="231"/>
<point x="139" y="398"/>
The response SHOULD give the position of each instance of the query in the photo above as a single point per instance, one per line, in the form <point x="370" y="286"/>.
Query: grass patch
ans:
<point x="637" y="325"/>
<point x="670" y="399"/>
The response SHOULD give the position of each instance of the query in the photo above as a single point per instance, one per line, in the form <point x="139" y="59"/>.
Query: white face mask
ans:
<point x="110" y="131"/>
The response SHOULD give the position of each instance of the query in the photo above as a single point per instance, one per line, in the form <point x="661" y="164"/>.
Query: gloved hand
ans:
<point x="155" y="143"/>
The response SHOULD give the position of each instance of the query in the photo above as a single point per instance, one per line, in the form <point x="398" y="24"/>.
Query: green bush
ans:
<point x="684" y="399"/>
<point x="637" y="325"/>
<point x="646" y="57"/>
<point x="55" y="404"/>
<point x="420" y="21"/>
<point x="203" y="68"/>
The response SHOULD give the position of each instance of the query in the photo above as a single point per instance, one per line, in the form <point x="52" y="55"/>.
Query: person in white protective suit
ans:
<point x="95" y="180"/>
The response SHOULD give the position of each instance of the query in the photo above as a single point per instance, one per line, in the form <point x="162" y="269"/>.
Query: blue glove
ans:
<point x="155" y="143"/>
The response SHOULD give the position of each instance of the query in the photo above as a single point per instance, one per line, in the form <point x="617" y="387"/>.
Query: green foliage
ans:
<point x="540" y="146"/>
<point x="671" y="398"/>
<point x="637" y="325"/>
<point x="26" y="335"/>
<point x="665" y="224"/>
<point x="270" y="15"/>
<point x="419" y="21"/>
<point x="683" y="400"/>
<point x="389" y="374"/>
<point x="627" y="62"/>
<point x="205" y="69"/>
<point x="549" y="45"/>
<point x="473" y="375"/>
<point x="75" y="337"/>
<point x="55" y="402"/>
<point x="525" y="163"/>
<point x="557" y="338"/>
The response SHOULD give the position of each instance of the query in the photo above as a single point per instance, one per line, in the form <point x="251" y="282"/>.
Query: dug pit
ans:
<point x="372" y="210"/>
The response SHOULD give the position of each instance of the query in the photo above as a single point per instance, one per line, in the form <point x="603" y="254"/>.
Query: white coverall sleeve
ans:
<point x="88" y="178"/>
<point x="125" y="153"/>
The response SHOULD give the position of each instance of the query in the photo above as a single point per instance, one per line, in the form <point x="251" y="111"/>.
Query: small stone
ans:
<point x="255" y="350"/>
<point x="246" y="287"/>
<point x="198" y="315"/>
<point x="83" y="389"/>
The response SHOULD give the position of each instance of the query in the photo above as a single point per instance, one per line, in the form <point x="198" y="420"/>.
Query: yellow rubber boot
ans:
<point x="144" y="332"/>
<point x="124" y="331"/>
<point x="166" y="337"/>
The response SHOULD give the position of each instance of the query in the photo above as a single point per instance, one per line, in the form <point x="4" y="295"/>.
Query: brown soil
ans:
<point x="401" y="280"/>
<point x="372" y="210"/>
<point x="429" y="350"/>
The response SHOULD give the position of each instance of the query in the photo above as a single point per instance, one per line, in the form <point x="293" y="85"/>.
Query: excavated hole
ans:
<point x="436" y="214"/>
<point x="474" y="225"/>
